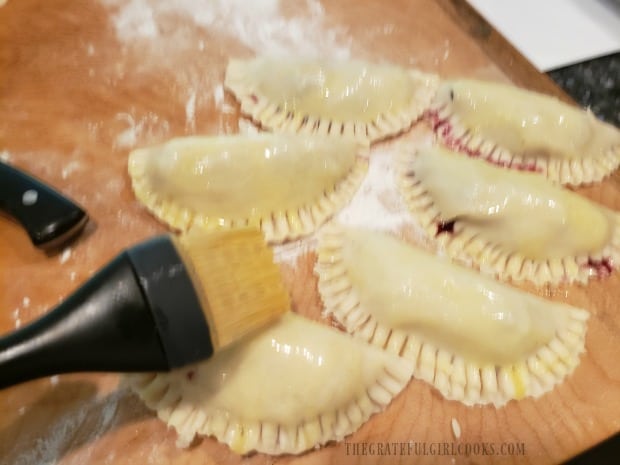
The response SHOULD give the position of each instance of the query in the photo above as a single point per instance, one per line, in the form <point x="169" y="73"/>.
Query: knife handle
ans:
<point x="50" y="218"/>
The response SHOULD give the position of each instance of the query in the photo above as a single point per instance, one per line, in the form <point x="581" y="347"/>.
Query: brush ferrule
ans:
<point x="173" y="300"/>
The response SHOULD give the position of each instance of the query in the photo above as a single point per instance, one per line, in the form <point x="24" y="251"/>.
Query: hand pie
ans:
<point x="524" y="130"/>
<point x="286" y="389"/>
<point x="473" y="338"/>
<point x="353" y="98"/>
<point x="512" y="224"/>
<point x="286" y="184"/>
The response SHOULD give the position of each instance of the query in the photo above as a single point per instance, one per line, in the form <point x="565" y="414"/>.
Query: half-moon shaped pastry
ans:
<point x="524" y="130"/>
<point x="353" y="98"/>
<point x="288" y="388"/>
<point x="473" y="338"/>
<point x="286" y="184"/>
<point x="512" y="224"/>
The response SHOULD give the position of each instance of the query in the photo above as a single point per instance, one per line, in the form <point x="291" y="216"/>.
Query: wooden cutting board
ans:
<point x="81" y="83"/>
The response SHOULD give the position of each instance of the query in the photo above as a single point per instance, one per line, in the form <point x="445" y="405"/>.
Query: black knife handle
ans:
<point x="50" y="218"/>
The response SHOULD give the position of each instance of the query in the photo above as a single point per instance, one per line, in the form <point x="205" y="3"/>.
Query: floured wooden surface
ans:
<point x="82" y="83"/>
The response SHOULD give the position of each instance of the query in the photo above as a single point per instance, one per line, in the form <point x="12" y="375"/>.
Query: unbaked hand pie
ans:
<point x="288" y="388"/>
<point x="352" y="98"/>
<point x="286" y="184"/>
<point x="512" y="224"/>
<point x="473" y="338"/>
<point x="524" y="130"/>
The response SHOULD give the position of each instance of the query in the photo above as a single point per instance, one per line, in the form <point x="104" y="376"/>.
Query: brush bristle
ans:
<point x="239" y="285"/>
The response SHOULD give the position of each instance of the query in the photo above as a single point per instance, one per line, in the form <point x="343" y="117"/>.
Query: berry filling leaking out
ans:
<point x="443" y="128"/>
<point x="445" y="227"/>
<point x="602" y="268"/>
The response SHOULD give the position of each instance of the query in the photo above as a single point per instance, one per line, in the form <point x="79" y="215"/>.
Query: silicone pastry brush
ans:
<point x="158" y="306"/>
<point x="50" y="218"/>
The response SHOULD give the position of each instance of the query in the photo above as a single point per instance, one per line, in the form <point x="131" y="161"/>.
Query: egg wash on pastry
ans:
<point x="473" y="338"/>
<point x="295" y="385"/>
<point x="286" y="184"/>
<point x="511" y="224"/>
<point x="366" y="101"/>
<point x="524" y="130"/>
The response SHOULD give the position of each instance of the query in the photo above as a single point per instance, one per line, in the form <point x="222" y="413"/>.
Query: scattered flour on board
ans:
<point x="190" y="112"/>
<point x="260" y="25"/>
<point x="128" y="137"/>
<point x="218" y="99"/>
<point x="65" y="255"/>
<point x="16" y="318"/>
<point x="147" y="127"/>
<point x="5" y="155"/>
<point x="47" y="450"/>
<point x="134" y="19"/>
<point x="456" y="428"/>
<point x="54" y="446"/>
<point x="218" y="95"/>
<point x="290" y="252"/>
<point x="16" y="313"/>
<point x="70" y="168"/>
<point x="377" y="203"/>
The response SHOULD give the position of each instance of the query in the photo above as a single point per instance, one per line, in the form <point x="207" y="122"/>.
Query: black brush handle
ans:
<point x="105" y="326"/>
<point x="50" y="218"/>
<point x="139" y="313"/>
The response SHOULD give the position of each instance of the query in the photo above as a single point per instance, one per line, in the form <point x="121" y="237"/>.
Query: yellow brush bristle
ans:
<point x="239" y="285"/>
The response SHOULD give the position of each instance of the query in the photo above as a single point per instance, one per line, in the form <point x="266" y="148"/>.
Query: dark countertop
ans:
<point x="594" y="84"/>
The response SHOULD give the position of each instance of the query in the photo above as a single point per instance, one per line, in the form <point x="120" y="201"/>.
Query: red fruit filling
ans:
<point x="603" y="268"/>
<point x="443" y="129"/>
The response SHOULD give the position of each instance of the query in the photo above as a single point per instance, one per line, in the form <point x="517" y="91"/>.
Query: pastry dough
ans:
<point x="512" y="224"/>
<point x="476" y="340"/>
<point x="525" y="130"/>
<point x="286" y="184"/>
<point x="367" y="101"/>
<point x="288" y="388"/>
